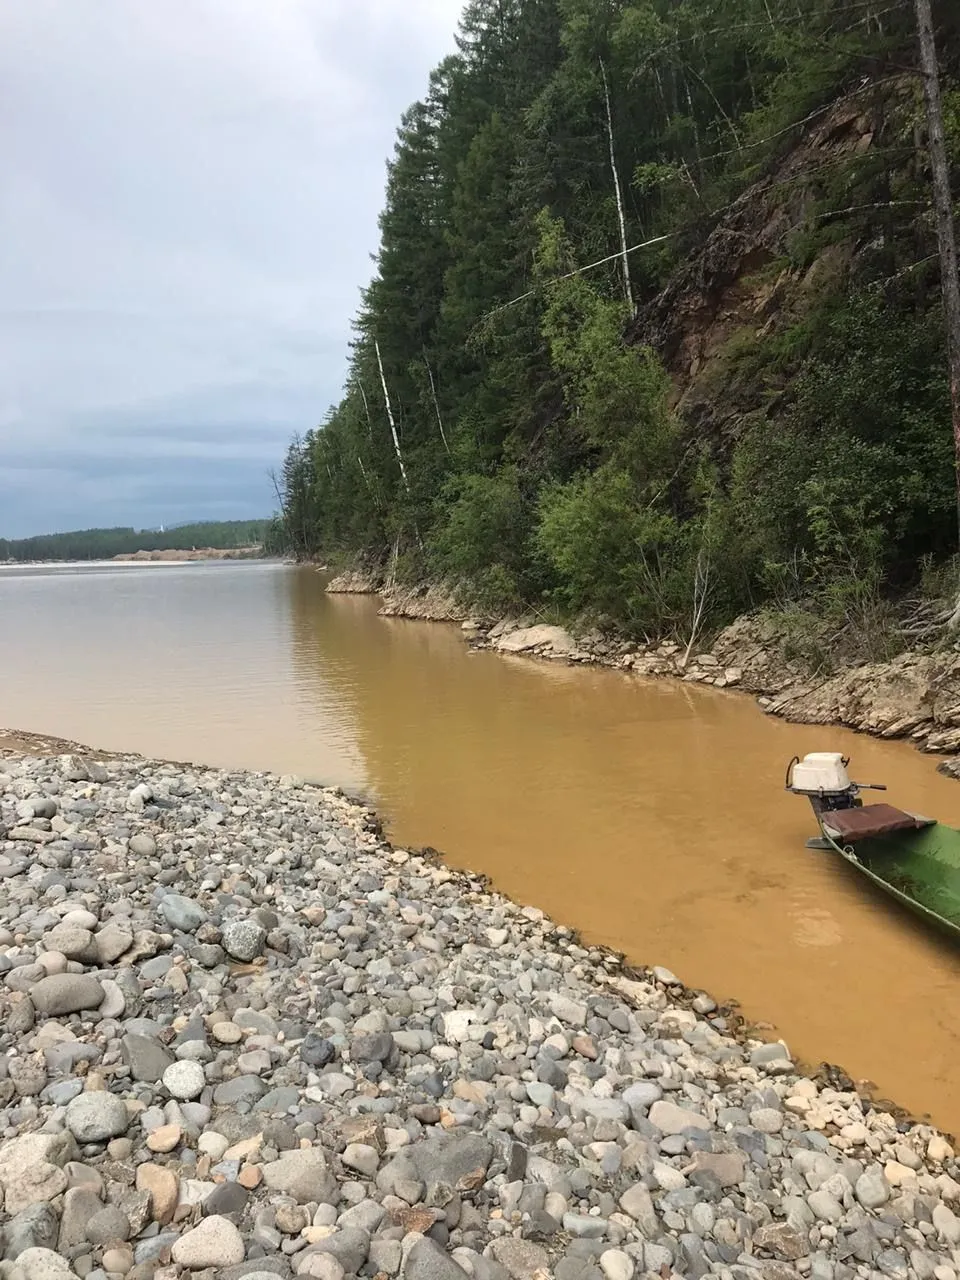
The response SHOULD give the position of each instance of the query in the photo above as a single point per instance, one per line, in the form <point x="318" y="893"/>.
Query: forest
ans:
<point x="103" y="544"/>
<point x="656" y="323"/>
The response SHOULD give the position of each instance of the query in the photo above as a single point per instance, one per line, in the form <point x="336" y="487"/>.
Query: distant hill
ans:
<point x="104" y="544"/>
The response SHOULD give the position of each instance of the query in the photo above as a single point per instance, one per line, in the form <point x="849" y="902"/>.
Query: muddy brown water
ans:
<point x="650" y="815"/>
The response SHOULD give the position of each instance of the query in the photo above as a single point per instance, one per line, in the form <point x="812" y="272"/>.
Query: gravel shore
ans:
<point x="242" y="1036"/>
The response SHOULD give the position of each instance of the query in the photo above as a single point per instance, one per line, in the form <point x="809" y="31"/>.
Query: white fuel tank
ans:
<point x="820" y="772"/>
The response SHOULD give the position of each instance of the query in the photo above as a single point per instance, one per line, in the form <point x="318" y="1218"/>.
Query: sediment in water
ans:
<point x="914" y="696"/>
<point x="244" y="1036"/>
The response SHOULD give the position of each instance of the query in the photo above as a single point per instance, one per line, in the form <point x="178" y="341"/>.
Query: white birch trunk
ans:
<point x="625" y="257"/>
<point x="366" y="409"/>
<point x="393" y="425"/>
<point x="436" y="404"/>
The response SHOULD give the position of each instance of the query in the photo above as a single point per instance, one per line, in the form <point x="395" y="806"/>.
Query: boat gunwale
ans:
<point x="849" y="855"/>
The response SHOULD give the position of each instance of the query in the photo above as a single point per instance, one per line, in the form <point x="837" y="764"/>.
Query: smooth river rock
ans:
<point x="66" y="993"/>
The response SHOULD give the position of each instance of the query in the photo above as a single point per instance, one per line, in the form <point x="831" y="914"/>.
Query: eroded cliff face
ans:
<point x="914" y="696"/>
<point x="426" y="601"/>
<point x="747" y="281"/>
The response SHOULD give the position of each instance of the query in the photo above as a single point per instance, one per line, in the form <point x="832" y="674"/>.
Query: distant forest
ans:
<point x="103" y="544"/>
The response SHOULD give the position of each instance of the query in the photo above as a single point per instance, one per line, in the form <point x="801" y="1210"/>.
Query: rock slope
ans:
<point x="243" y="1037"/>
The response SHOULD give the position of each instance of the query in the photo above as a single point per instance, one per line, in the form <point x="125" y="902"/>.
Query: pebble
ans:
<point x="164" y="1139"/>
<point x="242" y="1037"/>
<point x="96" y="1117"/>
<point x="182" y="913"/>
<point x="119" y="1261"/>
<point x="669" y="1118"/>
<point x="872" y="1189"/>
<point x="939" y="1149"/>
<point x="227" y="1033"/>
<point x="184" y="1080"/>
<point x="163" y="1186"/>
<point x="215" y="1242"/>
<point x="61" y="993"/>
<point x="616" y="1265"/>
<point x="243" y="939"/>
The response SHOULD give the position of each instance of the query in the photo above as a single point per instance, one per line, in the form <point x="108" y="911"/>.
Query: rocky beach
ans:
<point x="243" y="1036"/>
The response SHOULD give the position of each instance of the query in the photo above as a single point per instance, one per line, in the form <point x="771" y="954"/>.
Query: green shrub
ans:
<point x="481" y="540"/>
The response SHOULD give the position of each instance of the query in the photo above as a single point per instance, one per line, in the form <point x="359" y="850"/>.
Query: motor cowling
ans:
<point x="820" y="773"/>
<point x="822" y="777"/>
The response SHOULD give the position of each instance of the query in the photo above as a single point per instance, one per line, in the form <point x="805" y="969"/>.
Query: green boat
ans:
<point x="914" y="859"/>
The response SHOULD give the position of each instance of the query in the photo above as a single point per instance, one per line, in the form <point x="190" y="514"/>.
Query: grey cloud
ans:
<point x="188" y="208"/>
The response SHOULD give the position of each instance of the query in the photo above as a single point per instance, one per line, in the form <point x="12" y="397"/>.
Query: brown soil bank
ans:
<point x="915" y="696"/>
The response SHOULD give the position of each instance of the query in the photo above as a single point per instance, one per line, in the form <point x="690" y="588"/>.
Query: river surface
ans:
<point x="648" y="814"/>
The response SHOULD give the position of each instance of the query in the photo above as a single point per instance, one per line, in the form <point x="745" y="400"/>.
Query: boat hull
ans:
<point x="920" y="868"/>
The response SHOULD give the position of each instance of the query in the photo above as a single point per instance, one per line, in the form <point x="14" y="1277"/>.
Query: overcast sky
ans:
<point x="189" y="192"/>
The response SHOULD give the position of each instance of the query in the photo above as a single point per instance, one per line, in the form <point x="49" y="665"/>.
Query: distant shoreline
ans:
<point x="151" y="557"/>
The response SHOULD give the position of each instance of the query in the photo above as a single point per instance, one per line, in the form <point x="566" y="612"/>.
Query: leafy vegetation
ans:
<point x="103" y="544"/>
<point x="546" y="452"/>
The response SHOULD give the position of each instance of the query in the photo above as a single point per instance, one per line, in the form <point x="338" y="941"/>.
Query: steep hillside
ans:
<point x="655" y="333"/>
<point x="745" y="283"/>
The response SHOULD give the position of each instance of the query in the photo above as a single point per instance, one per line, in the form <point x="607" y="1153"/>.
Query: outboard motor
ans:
<point x="822" y="777"/>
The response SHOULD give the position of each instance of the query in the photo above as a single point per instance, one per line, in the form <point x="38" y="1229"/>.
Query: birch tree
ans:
<point x="390" y="417"/>
<point x="621" y="221"/>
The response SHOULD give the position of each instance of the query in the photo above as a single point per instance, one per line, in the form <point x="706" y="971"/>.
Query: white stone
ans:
<point x="114" y="1002"/>
<point x="898" y="1174"/>
<point x="668" y="1178"/>
<point x="642" y="1094"/>
<point x="43" y="1264"/>
<point x="572" y="1012"/>
<point x="321" y="1266"/>
<point x="666" y="976"/>
<point x="212" y="1144"/>
<point x="669" y="1118"/>
<point x="456" y="1025"/>
<point x="855" y="1133"/>
<point x="939" y="1149"/>
<point x="947" y="1224"/>
<point x="825" y="1206"/>
<point x="805" y="1089"/>
<point x="184" y="1080"/>
<point x="554" y="638"/>
<point x="616" y="1265"/>
<point x="214" y="1242"/>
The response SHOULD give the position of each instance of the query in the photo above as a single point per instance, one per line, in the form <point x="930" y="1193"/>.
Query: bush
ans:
<point x="482" y="540"/>
<point x="612" y="555"/>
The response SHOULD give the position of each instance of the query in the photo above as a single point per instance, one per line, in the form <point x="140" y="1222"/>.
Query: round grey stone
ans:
<point x="108" y="1226"/>
<point x="142" y="846"/>
<point x="184" y="1080"/>
<point x="182" y="913"/>
<point x="96" y="1117"/>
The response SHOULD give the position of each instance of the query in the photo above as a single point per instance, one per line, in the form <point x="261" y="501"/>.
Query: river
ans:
<point x="650" y="815"/>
